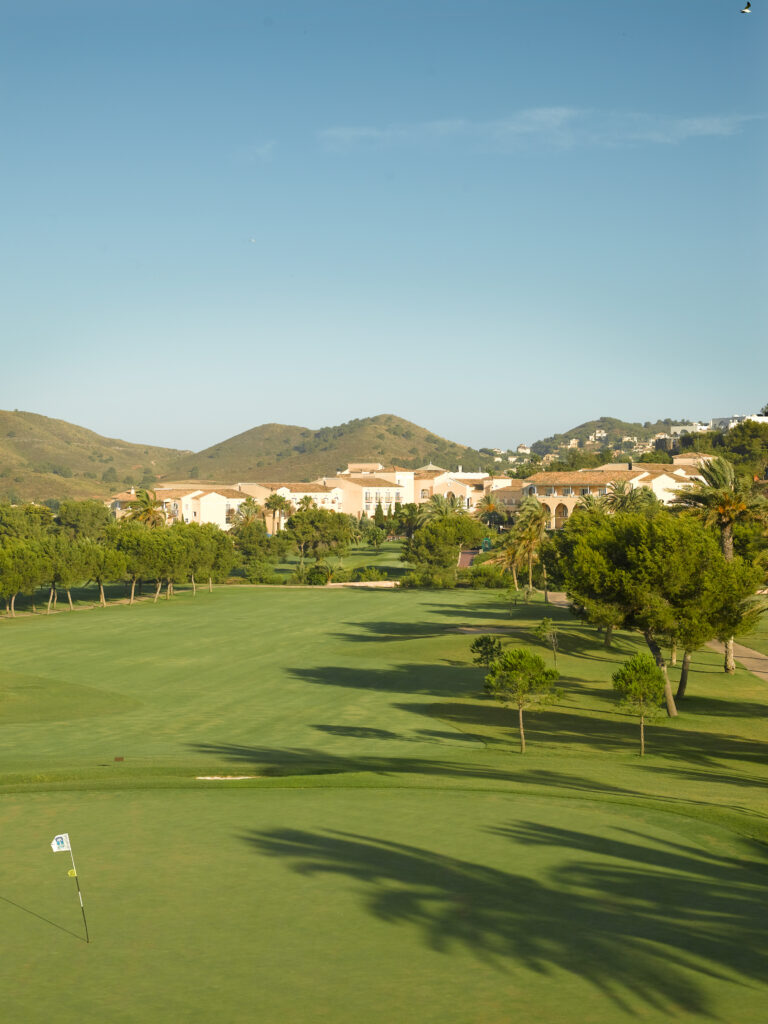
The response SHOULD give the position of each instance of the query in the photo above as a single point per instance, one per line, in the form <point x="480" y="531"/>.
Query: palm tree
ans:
<point x="249" y="512"/>
<point x="489" y="510"/>
<point x="622" y="497"/>
<point x="721" y="500"/>
<point x="279" y="506"/>
<point x="146" y="509"/>
<point x="511" y="556"/>
<point x="306" y="503"/>
<point x="440" y="507"/>
<point x="531" y="527"/>
<point x="589" y="503"/>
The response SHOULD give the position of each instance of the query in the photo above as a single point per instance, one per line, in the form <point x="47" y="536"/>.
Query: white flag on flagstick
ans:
<point x="61" y="843"/>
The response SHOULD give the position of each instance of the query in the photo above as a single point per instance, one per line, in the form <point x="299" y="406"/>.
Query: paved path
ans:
<point x="753" y="661"/>
<point x="466" y="558"/>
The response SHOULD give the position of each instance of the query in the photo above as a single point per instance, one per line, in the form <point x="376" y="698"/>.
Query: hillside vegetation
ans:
<point x="615" y="430"/>
<point x="43" y="458"/>
<point x="275" y="451"/>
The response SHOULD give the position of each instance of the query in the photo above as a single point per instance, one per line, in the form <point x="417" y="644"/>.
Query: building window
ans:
<point x="584" y="490"/>
<point x="603" y="491"/>
<point x="424" y="492"/>
<point x="567" y="491"/>
<point x="550" y="491"/>
<point x="367" y="495"/>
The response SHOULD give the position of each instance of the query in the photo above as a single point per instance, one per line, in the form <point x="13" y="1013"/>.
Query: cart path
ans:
<point x="752" y="661"/>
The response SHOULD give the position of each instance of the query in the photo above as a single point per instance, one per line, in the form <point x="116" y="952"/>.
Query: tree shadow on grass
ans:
<point x="388" y="631"/>
<point x="618" y="733"/>
<point x="286" y="762"/>
<point x="642" y="926"/>
<point x="435" y="680"/>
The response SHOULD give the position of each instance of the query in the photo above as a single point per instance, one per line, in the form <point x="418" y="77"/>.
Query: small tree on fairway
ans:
<point x="640" y="683"/>
<point x="375" y="537"/>
<point x="546" y="631"/>
<point x="485" y="650"/>
<point x="519" y="678"/>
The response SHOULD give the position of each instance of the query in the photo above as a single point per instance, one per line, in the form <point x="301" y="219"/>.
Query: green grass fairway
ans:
<point x="393" y="858"/>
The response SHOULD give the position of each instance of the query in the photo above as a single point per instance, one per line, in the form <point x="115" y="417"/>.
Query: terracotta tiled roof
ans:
<point x="583" y="478"/>
<point x="225" y="492"/>
<point x="298" y="488"/>
<point x="163" y="493"/>
<point x="470" y="482"/>
<point x="375" y="481"/>
<point x="428" y="474"/>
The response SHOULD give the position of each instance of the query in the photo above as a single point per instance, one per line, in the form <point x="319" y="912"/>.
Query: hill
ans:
<point x="615" y="429"/>
<point x="276" y="451"/>
<point x="43" y="458"/>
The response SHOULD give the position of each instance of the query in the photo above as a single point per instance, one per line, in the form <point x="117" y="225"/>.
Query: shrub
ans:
<point x="318" y="575"/>
<point x="367" y="574"/>
<point x="431" y="579"/>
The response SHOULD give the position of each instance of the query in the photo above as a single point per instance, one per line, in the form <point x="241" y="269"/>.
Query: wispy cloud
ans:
<point x="261" y="153"/>
<point x="563" y="127"/>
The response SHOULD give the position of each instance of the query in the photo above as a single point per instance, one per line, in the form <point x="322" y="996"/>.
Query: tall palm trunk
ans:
<point x="642" y="735"/>
<point x="726" y="544"/>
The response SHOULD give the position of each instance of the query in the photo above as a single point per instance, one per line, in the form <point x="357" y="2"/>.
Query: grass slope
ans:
<point x="395" y="858"/>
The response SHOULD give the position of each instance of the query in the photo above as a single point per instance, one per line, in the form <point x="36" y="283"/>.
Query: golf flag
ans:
<point x="72" y="873"/>
<point x="61" y="843"/>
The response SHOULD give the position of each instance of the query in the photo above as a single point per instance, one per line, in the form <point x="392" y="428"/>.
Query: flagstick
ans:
<point x="80" y="895"/>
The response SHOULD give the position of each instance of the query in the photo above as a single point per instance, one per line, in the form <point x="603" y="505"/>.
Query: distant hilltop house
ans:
<point x="523" y="449"/>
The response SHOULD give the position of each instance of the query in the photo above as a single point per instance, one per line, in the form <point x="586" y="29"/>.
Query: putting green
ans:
<point x="395" y="859"/>
<point x="340" y="906"/>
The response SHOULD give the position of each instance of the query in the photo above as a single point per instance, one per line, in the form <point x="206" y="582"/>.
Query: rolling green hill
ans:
<point x="43" y="458"/>
<point x="615" y="429"/>
<point x="275" y="451"/>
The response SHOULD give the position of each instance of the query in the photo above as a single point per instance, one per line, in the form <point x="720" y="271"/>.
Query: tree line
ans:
<point x="81" y="544"/>
<point x="680" y="575"/>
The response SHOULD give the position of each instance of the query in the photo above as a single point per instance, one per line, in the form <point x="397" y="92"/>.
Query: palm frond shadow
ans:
<point x="644" y="926"/>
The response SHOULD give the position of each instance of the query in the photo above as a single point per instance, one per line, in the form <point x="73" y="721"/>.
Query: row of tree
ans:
<point x="126" y="551"/>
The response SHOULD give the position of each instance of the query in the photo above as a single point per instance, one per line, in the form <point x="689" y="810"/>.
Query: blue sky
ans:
<point x="497" y="219"/>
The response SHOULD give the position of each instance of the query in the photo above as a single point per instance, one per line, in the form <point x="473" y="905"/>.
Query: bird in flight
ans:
<point x="747" y="9"/>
